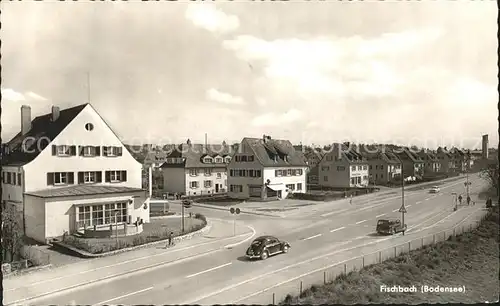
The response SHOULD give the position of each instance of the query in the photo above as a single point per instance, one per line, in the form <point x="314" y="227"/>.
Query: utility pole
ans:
<point x="402" y="209"/>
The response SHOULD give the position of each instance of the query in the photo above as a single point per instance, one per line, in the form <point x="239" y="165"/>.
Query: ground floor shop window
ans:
<point x="101" y="214"/>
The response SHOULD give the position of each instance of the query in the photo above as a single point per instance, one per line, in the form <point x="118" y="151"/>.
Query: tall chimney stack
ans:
<point x="485" y="146"/>
<point x="55" y="113"/>
<point x="25" y="119"/>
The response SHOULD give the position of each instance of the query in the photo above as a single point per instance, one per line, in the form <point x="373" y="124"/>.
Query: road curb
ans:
<point x="254" y="232"/>
<point x="85" y="254"/>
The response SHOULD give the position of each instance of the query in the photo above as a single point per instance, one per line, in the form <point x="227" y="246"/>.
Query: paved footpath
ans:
<point x="17" y="288"/>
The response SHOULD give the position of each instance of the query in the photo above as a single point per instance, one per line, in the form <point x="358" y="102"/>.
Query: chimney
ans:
<point x="55" y="113"/>
<point x="25" y="119"/>
<point x="188" y="142"/>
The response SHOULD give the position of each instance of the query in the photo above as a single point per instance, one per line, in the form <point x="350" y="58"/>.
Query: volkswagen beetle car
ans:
<point x="390" y="226"/>
<point x="265" y="246"/>
<point x="434" y="189"/>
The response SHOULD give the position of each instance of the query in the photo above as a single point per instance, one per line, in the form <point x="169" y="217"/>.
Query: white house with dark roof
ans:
<point x="67" y="171"/>
<point x="343" y="167"/>
<point x="197" y="169"/>
<point x="265" y="168"/>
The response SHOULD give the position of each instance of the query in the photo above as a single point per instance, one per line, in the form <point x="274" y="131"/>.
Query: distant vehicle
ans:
<point x="265" y="246"/>
<point x="187" y="202"/>
<point x="434" y="189"/>
<point x="390" y="226"/>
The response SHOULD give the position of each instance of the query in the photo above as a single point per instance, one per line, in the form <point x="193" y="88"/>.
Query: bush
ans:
<point x="201" y="217"/>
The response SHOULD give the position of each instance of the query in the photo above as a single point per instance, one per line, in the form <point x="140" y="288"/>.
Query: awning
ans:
<point x="276" y="187"/>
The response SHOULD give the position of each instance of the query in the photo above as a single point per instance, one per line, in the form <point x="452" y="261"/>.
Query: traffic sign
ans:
<point x="234" y="211"/>
<point x="231" y="210"/>
<point x="237" y="211"/>
<point x="402" y="209"/>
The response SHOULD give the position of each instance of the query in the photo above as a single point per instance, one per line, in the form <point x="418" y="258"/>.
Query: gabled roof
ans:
<point x="43" y="131"/>
<point x="443" y="151"/>
<point x="428" y="155"/>
<point x="375" y="152"/>
<point x="272" y="152"/>
<point x="349" y="153"/>
<point x="407" y="154"/>
<point x="194" y="154"/>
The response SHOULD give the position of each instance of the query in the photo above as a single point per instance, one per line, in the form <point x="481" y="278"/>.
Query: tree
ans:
<point x="11" y="233"/>
<point x="490" y="173"/>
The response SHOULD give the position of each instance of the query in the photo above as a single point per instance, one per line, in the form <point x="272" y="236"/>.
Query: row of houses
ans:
<point x="67" y="170"/>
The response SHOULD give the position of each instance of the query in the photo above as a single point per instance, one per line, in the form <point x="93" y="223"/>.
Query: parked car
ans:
<point x="434" y="189"/>
<point x="390" y="226"/>
<point x="265" y="246"/>
<point x="187" y="202"/>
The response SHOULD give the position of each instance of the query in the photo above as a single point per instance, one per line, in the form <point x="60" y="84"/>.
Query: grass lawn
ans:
<point x="156" y="230"/>
<point x="469" y="260"/>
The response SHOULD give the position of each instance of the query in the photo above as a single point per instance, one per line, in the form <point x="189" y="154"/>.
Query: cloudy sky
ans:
<point x="311" y="72"/>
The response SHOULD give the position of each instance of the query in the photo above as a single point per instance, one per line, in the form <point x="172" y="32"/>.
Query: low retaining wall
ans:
<point x="9" y="273"/>
<point x="86" y="254"/>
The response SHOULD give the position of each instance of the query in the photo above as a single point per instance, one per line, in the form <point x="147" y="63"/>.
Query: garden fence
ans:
<point x="296" y="286"/>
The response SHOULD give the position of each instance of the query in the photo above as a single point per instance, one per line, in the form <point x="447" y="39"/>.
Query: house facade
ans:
<point x="431" y="162"/>
<point x="265" y="169"/>
<point x="343" y="167"/>
<point x="446" y="159"/>
<point x="313" y="157"/>
<point x="383" y="167"/>
<point x="197" y="169"/>
<point x="412" y="163"/>
<point x="67" y="171"/>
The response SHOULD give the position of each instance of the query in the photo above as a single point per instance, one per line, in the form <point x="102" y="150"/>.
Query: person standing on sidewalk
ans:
<point x="169" y="243"/>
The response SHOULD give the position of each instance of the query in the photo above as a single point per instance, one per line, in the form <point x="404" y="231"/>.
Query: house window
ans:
<point x="207" y="184"/>
<point x="340" y="168"/>
<point x="290" y="187"/>
<point x="113" y="176"/>
<point x="289" y="172"/>
<point x="60" y="178"/>
<point x="63" y="150"/>
<point x="219" y="175"/>
<point x="97" y="215"/>
<point x="89" y="126"/>
<point x="251" y="158"/>
<point x="376" y="167"/>
<point x="193" y="172"/>
<point x="329" y="158"/>
<point x="115" y="212"/>
<point x="353" y="180"/>
<point x="251" y="173"/>
<point x="277" y="173"/>
<point x="381" y="167"/>
<point x="19" y="179"/>
<point x="243" y="158"/>
<point x="258" y="173"/>
<point x="228" y="159"/>
<point x="84" y="219"/>
<point x="299" y="172"/>
<point x="353" y="168"/>
<point x="89" y="177"/>
<point x="365" y="167"/>
<point x="208" y="172"/>
<point x="14" y="177"/>
<point x="381" y="176"/>
<point x="325" y="178"/>
<point x="370" y="167"/>
<point x="299" y="186"/>
<point x="207" y="160"/>
<point x="236" y="188"/>
<point x="89" y="151"/>
<point x="112" y="151"/>
<point x="218" y="160"/>
<point x="325" y="168"/>
<point x="194" y="184"/>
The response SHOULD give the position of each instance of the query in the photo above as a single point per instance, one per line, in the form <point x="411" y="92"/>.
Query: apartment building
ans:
<point x="446" y="159"/>
<point x="197" y="169"/>
<point x="343" y="167"/>
<point x="383" y="166"/>
<point x="266" y="168"/>
<point x="431" y="162"/>
<point x="67" y="170"/>
<point x="412" y="163"/>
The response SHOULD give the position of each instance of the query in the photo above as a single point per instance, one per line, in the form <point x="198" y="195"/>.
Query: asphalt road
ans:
<point x="320" y="236"/>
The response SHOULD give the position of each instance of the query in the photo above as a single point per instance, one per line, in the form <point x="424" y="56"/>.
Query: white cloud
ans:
<point x="207" y="16"/>
<point x="273" y="119"/>
<point x="9" y="94"/>
<point x="336" y="66"/>
<point x="261" y="101"/>
<point x="35" y="96"/>
<point x="222" y="97"/>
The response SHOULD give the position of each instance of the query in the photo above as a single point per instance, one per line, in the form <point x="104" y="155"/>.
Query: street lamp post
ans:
<point x="402" y="209"/>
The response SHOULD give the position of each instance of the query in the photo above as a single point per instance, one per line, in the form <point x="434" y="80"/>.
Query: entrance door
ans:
<point x="279" y="194"/>
<point x="216" y="188"/>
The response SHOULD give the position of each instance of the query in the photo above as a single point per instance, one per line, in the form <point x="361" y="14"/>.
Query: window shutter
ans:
<point x="120" y="153"/>
<point x="72" y="150"/>
<point x="124" y="176"/>
<point x="81" y="148"/>
<point x="98" y="175"/>
<point x="97" y="151"/>
<point x="50" y="178"/>
<point x="54" y="150"/>
<point x="108" y="176"/>
<point x="71" y="177"/>
<point x="80" y="178"/>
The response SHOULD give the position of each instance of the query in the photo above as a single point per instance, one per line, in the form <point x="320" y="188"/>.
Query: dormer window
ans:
<point x="228" y="159"/>
<point x="207" y="160"/>
<point x="218" y="160"/>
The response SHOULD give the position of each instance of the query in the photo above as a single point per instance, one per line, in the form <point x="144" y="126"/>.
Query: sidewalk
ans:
<point x="89" y="271"/>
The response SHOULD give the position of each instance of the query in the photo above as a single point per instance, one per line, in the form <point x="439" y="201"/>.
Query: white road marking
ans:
<point x="380" y="215"/>
<point x="337" y="229"/>
<point x="123" y="296"/>
<point x="427" y="199"/>
<point x="408" y="205"/>
<point x="418" y="202"/>
<point x="395" y="210"/>
<point x="243" y="241"/>
<point x="359" y="222"/>
<point x="312" y="237"/>
<point x="208" y="270"/>
<point x="333" y="212"/>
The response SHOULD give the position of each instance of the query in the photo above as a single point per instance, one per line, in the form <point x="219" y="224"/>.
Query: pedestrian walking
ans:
<point x="350" y="200"/>
<point x="468" y="200"/>
<point x="460" y="199"/>
<point x="169" y="239"/>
